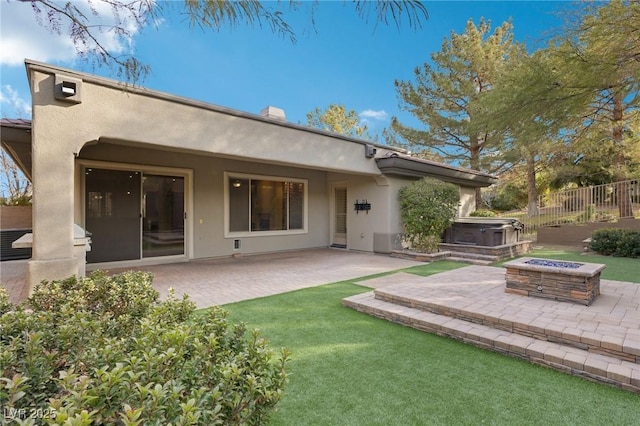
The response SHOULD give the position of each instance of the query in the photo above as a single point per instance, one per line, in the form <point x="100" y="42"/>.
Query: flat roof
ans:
<point x="16" y="135"/>
<point x="407" y="166"/>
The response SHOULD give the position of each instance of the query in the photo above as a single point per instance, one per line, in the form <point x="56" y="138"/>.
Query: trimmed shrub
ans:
<point x="104" y="350"/>
<point x="427" y="208"/>
<point x="629" y="245"/>
<point x="482" y="213"/>
<point x="5" y="304"/>
<point x="616" y="242"/>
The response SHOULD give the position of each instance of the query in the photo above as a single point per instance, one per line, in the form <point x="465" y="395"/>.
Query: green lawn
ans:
<point x="618" y="268"/>
<point x="348" y="368"/>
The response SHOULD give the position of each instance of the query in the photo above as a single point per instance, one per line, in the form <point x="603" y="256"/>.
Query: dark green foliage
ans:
<point x="427" y="208"/>
<point x="616" y="242"/>
<point x="482" y="213"/>
<point x="5" y="304"/>
<point x="512" y="196"/>
<point x="103" y="350"/>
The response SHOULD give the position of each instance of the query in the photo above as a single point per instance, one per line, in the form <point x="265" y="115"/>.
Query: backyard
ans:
<point x="348" y="368"/>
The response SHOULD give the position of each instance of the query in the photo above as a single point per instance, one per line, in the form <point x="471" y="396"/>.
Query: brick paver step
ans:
<point x="569" y="359"/>
<point x="476" y="256"/>
<point x="472" y="261"/>
<point x="613" y="339"/>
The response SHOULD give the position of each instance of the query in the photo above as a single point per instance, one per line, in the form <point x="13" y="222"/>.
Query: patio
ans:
<point x="226" y="280"/>
<point x="600" y="342"/>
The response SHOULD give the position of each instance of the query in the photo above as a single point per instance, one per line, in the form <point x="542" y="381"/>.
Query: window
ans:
<point x="261" y="203"/>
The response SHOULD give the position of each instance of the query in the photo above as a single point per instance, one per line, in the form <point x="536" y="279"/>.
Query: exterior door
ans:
<point x="133" y="215"/>
<point x="112" y="214"/>
<point x="340" y="216"/>
<point x="163" y="215"/>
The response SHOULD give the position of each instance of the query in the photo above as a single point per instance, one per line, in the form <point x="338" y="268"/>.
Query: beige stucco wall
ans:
<point x="362" y="226"/>
<point x="207" y="217"/>
<point x="207" y="139"/>
<point x="467" y="201"/>
<point x="136" y="126"/>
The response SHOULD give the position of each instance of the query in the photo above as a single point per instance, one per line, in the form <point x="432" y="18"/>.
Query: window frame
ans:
<point x="229" y="176"/>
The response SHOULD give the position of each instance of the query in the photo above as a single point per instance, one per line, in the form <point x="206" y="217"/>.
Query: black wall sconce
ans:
<point x="362" y="206"/>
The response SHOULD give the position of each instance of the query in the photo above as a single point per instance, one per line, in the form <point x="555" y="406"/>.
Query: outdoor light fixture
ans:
<point x="362" y="206"/>
<point x="370" y="151"/>
<point x="236" y="183"/>
<point x="68" y="89"/>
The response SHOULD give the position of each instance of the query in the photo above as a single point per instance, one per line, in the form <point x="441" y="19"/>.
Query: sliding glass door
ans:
<point x="133" y="215"/>
<point x="112" y="214"/>
<point x="163" y="215"/>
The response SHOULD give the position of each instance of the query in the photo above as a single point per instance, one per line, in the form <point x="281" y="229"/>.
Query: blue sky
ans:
<point x="344" y="60"/>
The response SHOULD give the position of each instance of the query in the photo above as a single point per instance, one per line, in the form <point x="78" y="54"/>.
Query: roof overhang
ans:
<point x="15" y="136"/>
<point x="404" y="166"/>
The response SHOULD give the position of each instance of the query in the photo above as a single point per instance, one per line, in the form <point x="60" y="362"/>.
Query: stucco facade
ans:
<point x="96" y="124"/>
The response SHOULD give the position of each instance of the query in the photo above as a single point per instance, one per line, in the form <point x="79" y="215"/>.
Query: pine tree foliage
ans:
<point x="337" y="119"/>
<point x="445" y="97"/>
<point x="575" y="105"/>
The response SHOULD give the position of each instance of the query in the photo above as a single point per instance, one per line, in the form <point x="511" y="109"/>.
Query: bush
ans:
<point x="616" y="242"/>
<point x="482" y="213"/>
<point x="5" y="304"/>
<point x="427" y="208"/>
<point x="103" y="350"/>
<point x="629" y="245"/>
<point x="511" y="196"/>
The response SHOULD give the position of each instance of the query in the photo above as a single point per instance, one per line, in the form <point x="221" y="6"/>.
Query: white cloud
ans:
<point x="22" y="36"/>
<point x="374" y="115"/>
<point x="18" y="107"/>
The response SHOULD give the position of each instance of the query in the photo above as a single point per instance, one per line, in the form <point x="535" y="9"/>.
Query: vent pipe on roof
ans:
<point x="273" y="112"/>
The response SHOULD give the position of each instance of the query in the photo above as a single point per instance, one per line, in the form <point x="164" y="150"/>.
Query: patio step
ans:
<point x="473" y="258"/>
<point x="605" y="343"/>
<point x="456" y="256"/>
<point x="570" y="359"/>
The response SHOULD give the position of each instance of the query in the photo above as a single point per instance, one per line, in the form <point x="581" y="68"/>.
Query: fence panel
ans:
<point x="600" y="203"/>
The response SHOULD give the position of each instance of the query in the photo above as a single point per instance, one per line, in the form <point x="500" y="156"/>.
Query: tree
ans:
<point x="529" y="143"/>
<point x="76" y="19"/>
<point x="16" y="188"/>
<point x="445" y="97"/>
<point x="581" y="92"/>
<point x="338" y="120"/>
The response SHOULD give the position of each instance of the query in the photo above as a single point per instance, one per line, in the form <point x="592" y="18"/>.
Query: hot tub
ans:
<point x="483" y="231"/>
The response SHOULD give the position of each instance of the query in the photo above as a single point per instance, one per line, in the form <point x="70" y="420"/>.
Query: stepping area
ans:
<point x="600" y="342"/>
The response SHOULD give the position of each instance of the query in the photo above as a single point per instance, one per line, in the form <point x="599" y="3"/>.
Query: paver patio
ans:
<point x="599" y="342"/>
<point x="226" y="280"/>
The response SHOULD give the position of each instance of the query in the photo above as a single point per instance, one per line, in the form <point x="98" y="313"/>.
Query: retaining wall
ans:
<point x="573" y="235"/>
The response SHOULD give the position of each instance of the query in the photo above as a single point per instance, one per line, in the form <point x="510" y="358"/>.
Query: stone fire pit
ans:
<point x="575" y="282"/>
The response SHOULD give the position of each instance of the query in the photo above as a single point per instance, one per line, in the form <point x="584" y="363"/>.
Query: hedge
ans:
<point x="616" y="242"/>
<point x="105" y="350"/>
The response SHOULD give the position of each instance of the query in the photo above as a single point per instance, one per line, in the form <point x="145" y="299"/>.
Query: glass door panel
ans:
<point x="112" y="214"/>
<point x="163" y="215"/>
<point x="340" y="217"/>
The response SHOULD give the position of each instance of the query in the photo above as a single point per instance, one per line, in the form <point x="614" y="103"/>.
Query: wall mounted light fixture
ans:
<point x="364" y="205"/>
<point x="68" y="89"/>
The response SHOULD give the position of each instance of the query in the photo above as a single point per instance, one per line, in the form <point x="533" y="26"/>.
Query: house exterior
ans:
<point x="158" y="178"/>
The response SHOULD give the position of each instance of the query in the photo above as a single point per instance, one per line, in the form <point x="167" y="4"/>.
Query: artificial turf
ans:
<point x="618" y="268"/>
<point x="348" y="368"/>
